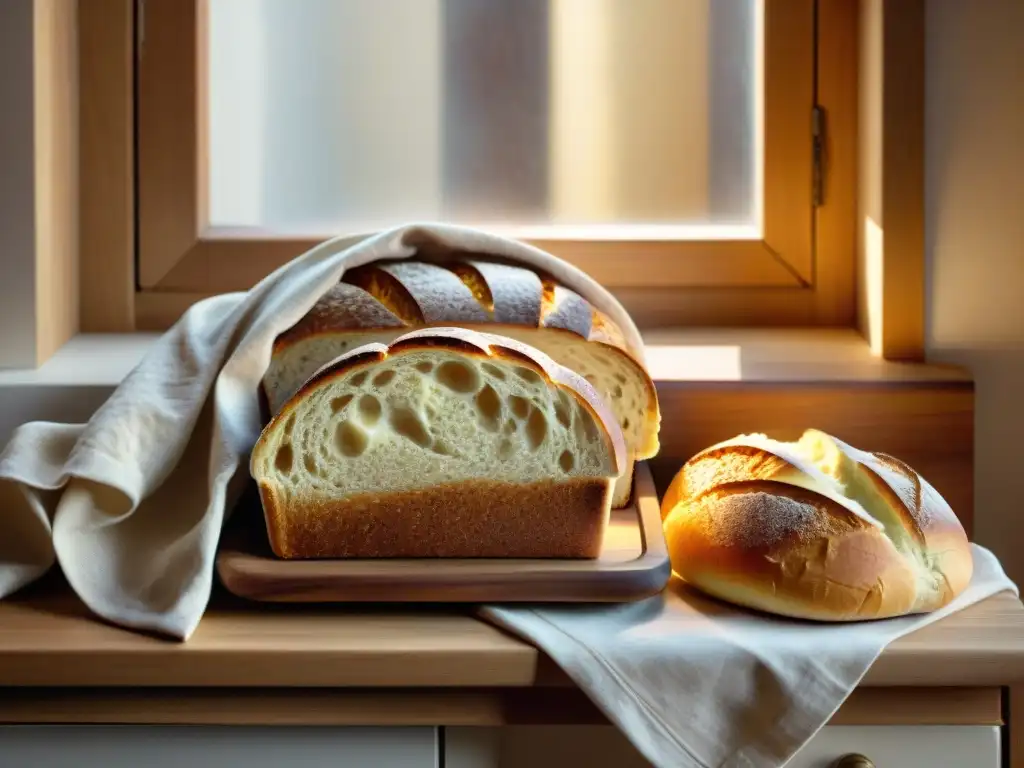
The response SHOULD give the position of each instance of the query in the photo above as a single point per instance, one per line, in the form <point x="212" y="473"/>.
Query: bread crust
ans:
<point x="382" y="286"/>
<point x="344" y="306"/>
<point x="926" y="514"/>
<point x="471" y="519"/>
<point x="377" y="296"/>
<point x="512" y="294"/>
<point x="603" y="330"/>
<point x="566" y="309"/>
<point x="785" y="550"/>
<point x="740" y="529"/>
<point x="440" y="296"/>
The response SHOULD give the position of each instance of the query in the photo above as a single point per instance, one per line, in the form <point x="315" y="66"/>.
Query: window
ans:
<point x="667" y="147"/>
<point x="325" y="116"/>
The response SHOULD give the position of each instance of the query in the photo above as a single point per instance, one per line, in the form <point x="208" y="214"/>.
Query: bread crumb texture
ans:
<point x="612" y="374"/>
<point x="366" y="441"/>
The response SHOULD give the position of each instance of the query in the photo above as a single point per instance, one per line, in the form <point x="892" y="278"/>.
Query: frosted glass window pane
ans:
<point x="329" y="115"/>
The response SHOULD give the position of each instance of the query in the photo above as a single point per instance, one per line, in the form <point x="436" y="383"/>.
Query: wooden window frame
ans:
<point x="802" y="273"/>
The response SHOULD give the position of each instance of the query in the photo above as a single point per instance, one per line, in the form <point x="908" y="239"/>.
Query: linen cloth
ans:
<point x="132" y="503"/>
<point x="695" y="683"/>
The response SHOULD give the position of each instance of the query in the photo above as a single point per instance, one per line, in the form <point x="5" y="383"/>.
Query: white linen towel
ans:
<point x="131" y="505"/>
<point x="695" y="683"/>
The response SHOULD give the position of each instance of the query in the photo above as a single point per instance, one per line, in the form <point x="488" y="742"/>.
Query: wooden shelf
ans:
<point x="51" y="640"/>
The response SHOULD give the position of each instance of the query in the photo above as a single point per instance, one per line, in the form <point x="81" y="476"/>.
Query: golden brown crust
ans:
<point x="472" y="278"/>
<point x="385" y="288"/>
<point x="374" y="296"/>
<point x="439" y="294"/>
<point x="717" y="466"/>
<point x="603" y="330"/>
<point x="928" y="518"/>
<point x="363" y="357"/>
<point x="470" y="519"/>
<point x="343" y="308"/>
<point x="566" y="309"/>
<point x="515" y="292"/>
<point x="925" y="514"/>
<point x="740" y="528"/>
<point x="474" y="344"/>
<point x="783" y="549"/>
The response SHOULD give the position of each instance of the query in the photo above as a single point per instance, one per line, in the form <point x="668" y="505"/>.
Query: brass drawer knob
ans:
<point x="853" y="761"/>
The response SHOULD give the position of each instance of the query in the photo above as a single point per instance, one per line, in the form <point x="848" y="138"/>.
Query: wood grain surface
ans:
<point x="48" y="638"/>
<point x="633" y="565"/>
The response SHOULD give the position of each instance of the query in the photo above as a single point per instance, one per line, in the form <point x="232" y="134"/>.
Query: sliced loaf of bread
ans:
<point x="378" y="302"/>
<point x="445" y="443"/>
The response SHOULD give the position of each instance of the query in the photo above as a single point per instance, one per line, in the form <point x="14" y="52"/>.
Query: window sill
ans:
<point x="87" y="360"/>
<point x="779" y="356"/>
<point x="673" y="355"/>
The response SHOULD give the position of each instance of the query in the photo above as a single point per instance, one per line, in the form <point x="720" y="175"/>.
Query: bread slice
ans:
<point x="814" y="529"/>
<point x="379" y="301"/>
<point x="444" y="443"/>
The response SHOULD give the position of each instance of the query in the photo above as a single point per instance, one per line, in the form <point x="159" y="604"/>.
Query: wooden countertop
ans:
<point x="49" y="639"/>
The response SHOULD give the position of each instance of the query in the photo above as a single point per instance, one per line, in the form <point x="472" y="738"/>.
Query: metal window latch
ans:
<point x="817" y="154"/>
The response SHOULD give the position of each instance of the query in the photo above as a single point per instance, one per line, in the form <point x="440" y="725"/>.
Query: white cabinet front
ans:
<point x="877" y="746"/>
<point x="133" y="746"/>
<point x="902" y="746"/>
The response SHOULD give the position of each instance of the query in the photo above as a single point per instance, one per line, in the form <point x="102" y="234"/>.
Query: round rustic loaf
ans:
<point x="815" y="529"/>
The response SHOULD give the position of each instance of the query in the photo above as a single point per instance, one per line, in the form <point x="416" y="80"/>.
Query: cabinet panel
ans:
<point x="130" y="746"/>
<point x="905" y="746"/>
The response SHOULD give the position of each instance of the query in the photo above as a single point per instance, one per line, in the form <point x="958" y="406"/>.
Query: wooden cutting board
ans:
<point x="633" y="564"/>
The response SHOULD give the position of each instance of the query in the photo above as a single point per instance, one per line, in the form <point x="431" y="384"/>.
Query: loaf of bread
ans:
<point x="446" y="443"/>
<point x="378" y="302"/>
<point x="814" y="529"/>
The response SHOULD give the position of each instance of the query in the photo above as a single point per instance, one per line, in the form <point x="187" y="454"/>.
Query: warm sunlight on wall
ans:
<point x="301" y="139"/>
<point x="694" y="362"/>
<point x="872" y="257"/>
<point x="602" y="167"/>
<point x="870" y="238"/>
<point x="583" y="168"/>
<point x="975" y="234"/>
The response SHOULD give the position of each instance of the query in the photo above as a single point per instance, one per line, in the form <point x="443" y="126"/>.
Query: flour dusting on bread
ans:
<point x="814" y="529"/>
